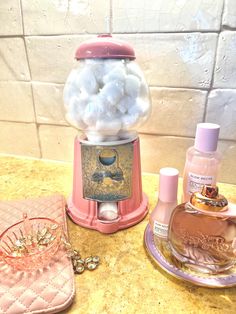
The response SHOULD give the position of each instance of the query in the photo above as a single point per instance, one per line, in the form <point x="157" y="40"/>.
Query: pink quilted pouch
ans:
<point x="47" y="290"/>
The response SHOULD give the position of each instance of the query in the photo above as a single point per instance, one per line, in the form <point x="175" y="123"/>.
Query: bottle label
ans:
<point x="196" y="181"/>
<point x="160" y="229"/>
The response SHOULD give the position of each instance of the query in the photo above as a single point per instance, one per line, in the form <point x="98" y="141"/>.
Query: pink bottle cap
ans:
<point x="168" y="184"/>
<point x="207" y="137"/>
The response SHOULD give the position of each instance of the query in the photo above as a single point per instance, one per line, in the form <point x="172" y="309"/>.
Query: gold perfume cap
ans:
<point x="209" y="199"/>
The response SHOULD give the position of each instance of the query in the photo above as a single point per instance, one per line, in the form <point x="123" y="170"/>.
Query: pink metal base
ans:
<point x="131" y="211"/>
<point x="122" y="222"/>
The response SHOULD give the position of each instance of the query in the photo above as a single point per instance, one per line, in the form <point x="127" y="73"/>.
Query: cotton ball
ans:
<point x="75" y="113"/>
<point x="77" y="107"/>
<point x="87" y="82"/>
<point x="69" y="91"/>
<point x="124" y="134"/>
<point x="144" y="107"/>
<point x="117" y="74"/>
<point x="112" y="92"/>
<point x="111" y="64"/>
<point x="98" y="70"/>
<point x="143" y="92"/>
<point x="140" y="108"/>
<point x="129" y="120"/>
<point x="78" y="123"/>
<point x="110" y="127"/>
<point x="72" y="76"/>
<point x="132" y="85"/>
<point x="111" y="113"/>
<point x="67" y="94"/>
<point x="125" y="103"/>
<point x="133" y="68"/>
<point x="94" y="136"/>
<point x="93" y="111"/>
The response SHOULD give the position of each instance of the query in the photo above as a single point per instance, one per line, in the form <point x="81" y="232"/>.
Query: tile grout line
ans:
<point x="111" y="17"/>
<point x="211" y="87"/>
<point x="31" y="85"/>
<point x="119" y="33"/>
<point x="195" y="88"/>
<point x="181" y="136"/>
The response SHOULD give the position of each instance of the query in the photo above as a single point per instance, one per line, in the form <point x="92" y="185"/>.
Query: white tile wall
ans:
<point x="13" y="61"/>
<point x="225" y="69"/>
<point x="221" y="109"/>
<point x="163" y="151"/>
<point x="186" y="49"/>
<point x="175" y="60"/>
<point x="19" y="139"/>
<point x="51" y="58"/>
<point x="57" y="142"/>
<point x="43" y="17"/>
<point x="48" y="99"/>
<point x="175" y="111"/>
<point x="229" y="16"/>
<point x="175" y="16"/>
<point x="16" y="103"/>
<point x="10" y="18"/>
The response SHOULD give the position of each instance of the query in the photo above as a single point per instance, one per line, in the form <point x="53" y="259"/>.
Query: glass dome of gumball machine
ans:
<point x="106" y="96"/>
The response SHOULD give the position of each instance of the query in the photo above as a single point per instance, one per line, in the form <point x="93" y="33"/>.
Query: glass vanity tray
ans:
<point x="161" y="255"/>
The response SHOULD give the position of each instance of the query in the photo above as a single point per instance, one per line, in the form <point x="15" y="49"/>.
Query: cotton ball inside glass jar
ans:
<point x="75" y="121"/>
<point x="70" y="88"/>
<point x="98" y="69"/>
<point x="68" y="92"/>
<point x="109" y="127"/>
<point x="132" y="85"/>
<point x="94" y="136"/>
<point x="140" y="107"/>
<point x="143" y="91"/>
<point x="93" y="111"/>
<point x="75" y="112"/>
<point x="129" y="121"/>
<point x="86" y="81"/>
<point x="111" y="64"/>
<point x="77" y="105"/>
<point x="72" y="76"/>
<point x="125" y="103"/>
<point x="133" y="68"/>
<point x="111" y="112"/>
<point x="112" y="92"/>
<point x="116" y="74"/>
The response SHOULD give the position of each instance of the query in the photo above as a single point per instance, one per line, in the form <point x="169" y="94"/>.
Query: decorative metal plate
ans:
<point x="107" y="172"/>
<point x="161" y="254"/>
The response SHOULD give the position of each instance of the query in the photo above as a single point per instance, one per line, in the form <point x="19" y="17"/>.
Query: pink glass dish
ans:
<point x="34" y="255"/>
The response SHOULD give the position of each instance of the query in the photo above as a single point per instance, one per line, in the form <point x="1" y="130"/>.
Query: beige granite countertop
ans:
<point x="126" y="281"/>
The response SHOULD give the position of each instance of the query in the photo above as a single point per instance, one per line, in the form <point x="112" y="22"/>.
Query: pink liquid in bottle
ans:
<point x="202" y="160"/>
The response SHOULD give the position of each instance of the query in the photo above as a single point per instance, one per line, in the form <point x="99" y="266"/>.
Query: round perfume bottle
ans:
<point x="202" y="232"/>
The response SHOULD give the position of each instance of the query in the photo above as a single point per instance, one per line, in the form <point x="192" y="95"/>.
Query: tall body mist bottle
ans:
<point x="202" y="160"/>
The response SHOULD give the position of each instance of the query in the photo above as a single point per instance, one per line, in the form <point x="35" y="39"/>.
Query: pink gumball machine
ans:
<point x="106" y="96"/>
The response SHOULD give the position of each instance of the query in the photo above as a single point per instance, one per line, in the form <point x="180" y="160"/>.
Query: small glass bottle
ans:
<point x="167" y="201"/>
<point x="202" y="160"/>
<point x="202" y="232"/>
